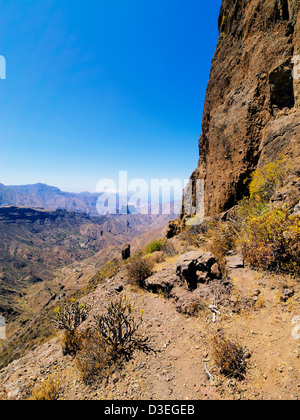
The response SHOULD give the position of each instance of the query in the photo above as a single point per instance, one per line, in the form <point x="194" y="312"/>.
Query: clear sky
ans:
<point x="96" y="87"/>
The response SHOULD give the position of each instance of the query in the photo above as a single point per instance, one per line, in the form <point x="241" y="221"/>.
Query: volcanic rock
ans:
<point x="252" y="108"/>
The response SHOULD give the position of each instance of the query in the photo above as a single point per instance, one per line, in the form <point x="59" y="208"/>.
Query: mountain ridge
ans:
<point x="44" y="196"/>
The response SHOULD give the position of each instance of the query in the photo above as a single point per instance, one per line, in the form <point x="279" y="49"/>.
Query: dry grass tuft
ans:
<point x="47" y="390"/>
<point x="94" y="360"/>
<point x="229" y="356"/>
<point x="138" y="270"/>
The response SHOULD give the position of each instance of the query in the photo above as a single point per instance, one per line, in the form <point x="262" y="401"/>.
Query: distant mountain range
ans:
<point x="43" y="229"/>
<point x="51" y="198"/>
<point x="47" y="197"/>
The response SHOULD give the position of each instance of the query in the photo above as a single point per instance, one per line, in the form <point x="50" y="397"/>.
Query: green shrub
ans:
<point x="155" y="246"/>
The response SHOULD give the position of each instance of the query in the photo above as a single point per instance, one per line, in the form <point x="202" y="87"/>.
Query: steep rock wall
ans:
<point x="252" y="107"/>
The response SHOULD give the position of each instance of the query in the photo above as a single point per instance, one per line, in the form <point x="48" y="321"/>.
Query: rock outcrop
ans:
<point x="126" y="252"/>
<point x="196" y="277"/>
<point x="252" y="107"/>
<point x="197" y="267"/>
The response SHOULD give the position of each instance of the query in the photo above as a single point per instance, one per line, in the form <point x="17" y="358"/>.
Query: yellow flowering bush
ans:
<point x="272" y="240"/>
<point x="267" y="179"/>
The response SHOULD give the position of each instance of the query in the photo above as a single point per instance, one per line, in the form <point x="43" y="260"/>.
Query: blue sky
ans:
<point x="100" y="86"/>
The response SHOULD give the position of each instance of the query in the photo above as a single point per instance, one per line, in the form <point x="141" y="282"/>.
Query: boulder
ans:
<point x="163" y="281"/>
<point x="126" y="252"/>
<point x="235" y="261"/>
<point x="197" y="267"/>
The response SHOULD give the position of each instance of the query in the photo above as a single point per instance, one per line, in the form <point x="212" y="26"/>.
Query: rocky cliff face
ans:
<point x="252" y="107"/>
